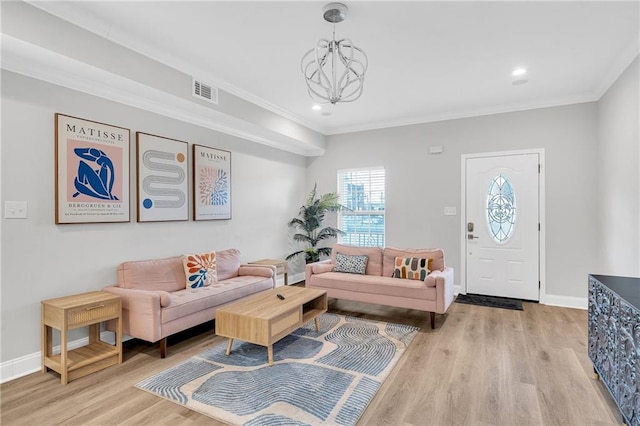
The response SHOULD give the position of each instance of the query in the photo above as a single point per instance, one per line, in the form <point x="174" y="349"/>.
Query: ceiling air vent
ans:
<point x="205" y="91"/>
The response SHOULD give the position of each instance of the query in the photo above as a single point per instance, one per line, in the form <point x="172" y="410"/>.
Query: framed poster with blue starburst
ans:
<point x="211" y="183"/>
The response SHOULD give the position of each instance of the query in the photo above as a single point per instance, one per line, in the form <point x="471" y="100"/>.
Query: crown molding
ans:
<point x="37" y="62"/>
<point x="617" y="67"/>
<point x="96" y="26"/>
<point x="478" y="112"/>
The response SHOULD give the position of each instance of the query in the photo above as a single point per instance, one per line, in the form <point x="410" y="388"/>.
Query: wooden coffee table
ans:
<point x="263" y="319"/>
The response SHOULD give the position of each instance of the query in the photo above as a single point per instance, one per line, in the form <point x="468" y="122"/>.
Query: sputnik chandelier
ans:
<point x="334" y="70"/>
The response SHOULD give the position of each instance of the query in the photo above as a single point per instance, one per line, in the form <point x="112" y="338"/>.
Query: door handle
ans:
<point x="471" y="237"/>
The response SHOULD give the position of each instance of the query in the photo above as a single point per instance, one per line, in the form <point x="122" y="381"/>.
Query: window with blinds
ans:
<point x="362" y="193"/>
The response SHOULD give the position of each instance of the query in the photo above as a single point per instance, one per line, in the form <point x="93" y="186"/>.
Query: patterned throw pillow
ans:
<point x="351" y="264"/>
<point x="412" y="268"/>
<point x="200" y="269"/>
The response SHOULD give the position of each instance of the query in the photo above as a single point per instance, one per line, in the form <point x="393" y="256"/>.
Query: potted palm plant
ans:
<point x="309" y="225"/>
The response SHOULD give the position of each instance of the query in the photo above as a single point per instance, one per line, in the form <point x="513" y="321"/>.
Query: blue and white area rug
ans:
<point x="327" y="377"/>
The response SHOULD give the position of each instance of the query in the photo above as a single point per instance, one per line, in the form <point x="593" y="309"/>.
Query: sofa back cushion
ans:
<point x="155" y="274"/>
<point x="374" y="264"/>
<point x="227" y="263"/>
<point x="390" y="254"/>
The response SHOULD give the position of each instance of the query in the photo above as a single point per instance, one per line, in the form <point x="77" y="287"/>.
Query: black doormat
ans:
<point x="490" y="301"/>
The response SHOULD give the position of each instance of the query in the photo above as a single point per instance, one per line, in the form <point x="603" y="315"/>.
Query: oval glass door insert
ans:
<point x="501" y="209"/>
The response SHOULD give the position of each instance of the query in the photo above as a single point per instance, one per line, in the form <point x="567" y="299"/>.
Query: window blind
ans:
<point x="362" y="192"/>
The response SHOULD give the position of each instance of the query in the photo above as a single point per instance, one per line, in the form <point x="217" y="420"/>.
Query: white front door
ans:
<point x="502" y="225"/>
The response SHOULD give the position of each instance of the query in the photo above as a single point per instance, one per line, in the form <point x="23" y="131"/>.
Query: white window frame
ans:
<point x="346" y="212"/>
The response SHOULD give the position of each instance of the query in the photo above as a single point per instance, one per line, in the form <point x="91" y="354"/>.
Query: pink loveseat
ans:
<point x="157" y="304"/>
<point x="377" y="285"/>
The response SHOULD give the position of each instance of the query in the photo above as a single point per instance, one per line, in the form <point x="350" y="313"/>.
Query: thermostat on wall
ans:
<point x="435" y="149"/>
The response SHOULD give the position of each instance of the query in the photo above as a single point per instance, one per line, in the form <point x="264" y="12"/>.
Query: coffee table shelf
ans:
<point x="314" y="308"/>
<point x="311" y="314"/>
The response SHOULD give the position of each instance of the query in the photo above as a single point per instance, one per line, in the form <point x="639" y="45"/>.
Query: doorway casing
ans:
<point x="541" y="215"/>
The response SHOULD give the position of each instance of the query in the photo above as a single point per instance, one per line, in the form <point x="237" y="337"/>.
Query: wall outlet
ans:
<point x="450" y="211"/>
<point x="15" y="209"/>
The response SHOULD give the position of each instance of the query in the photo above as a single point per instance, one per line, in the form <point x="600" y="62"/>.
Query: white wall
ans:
<point x="41" y="260"/>
<point x="618" y="173"/>
<point x="420" y="185"/>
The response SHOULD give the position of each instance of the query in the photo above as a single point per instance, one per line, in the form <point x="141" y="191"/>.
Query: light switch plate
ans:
<point x="15" y="209"/>
<point x="450" y="211"/>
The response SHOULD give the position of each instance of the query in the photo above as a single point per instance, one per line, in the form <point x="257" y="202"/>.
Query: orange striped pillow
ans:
<point x="412" y="268"/>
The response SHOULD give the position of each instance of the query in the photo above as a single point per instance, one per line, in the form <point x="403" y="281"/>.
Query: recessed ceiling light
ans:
<point x="316" y="107"/>
<point x="518" y="72"/>
<point x="519" y="76"/>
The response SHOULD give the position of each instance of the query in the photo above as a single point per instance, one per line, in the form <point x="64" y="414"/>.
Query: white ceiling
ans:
<point x="428" y="60"/>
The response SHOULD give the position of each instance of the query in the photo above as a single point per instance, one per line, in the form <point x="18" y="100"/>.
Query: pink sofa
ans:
<point x="377" y="285"/>
<point x="157" y="304"/>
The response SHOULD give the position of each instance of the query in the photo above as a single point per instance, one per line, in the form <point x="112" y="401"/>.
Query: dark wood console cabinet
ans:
<point x="614" y="339"/>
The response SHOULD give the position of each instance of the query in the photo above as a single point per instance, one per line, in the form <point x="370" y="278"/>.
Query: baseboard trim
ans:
<point x="566" y="301"/>
<point x="551" y="300"/>
<point x="25" y="365"/>
<point x="296" y="278"/>
<point x="19" y="367"/>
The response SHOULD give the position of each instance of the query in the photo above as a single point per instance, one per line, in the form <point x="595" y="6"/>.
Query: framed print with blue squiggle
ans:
<point x="161" y="171"/>
<point x="211" y="183"/>
<point x="92" y="171"/>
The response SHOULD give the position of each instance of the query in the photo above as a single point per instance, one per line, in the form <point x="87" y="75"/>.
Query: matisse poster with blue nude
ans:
<point x="92" y="171"/>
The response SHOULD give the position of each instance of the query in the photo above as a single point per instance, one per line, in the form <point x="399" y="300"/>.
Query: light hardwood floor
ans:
<point x="480" y="366"/>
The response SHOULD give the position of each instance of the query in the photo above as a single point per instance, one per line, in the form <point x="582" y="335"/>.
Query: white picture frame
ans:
<point x="162" y="179"/>
<point x="211" y="183"/>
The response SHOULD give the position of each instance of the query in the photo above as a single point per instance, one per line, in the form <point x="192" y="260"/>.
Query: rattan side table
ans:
<point x="80" y="310"/>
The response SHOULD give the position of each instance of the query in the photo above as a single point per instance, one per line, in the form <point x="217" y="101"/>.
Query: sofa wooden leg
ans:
<point x="163" y="347"/>
<point x="433" y="320"/>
